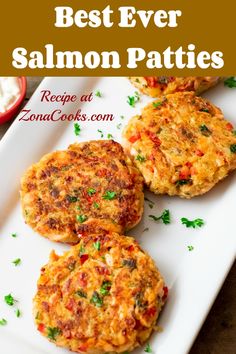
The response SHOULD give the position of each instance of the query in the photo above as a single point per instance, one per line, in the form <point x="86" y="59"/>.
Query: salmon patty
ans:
<point x="104" y="295"/>
<point x="156" y="86"/>
<point x="181" y="144"/>
<point x="87" y="188"/>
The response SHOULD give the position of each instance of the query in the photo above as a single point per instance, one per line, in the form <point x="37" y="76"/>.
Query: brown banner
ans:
<point x="96" y="38"/>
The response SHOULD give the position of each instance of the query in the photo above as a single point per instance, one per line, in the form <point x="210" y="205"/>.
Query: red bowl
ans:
<point x="14" y="109"/>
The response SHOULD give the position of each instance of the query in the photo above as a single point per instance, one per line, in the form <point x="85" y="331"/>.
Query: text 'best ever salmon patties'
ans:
<point x="89" y="187"/>
<point x="182" y="145"/>
<point x="104" y="295"/>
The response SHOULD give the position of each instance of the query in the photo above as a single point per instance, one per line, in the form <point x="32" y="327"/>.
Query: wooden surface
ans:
<point x="218" y="334"/>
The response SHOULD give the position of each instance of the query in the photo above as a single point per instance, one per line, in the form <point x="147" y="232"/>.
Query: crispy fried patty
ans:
<point x="104" y="295"/>
<point x="182" y="145"/>
<point x="90" y="187"/>
<point x="156" y="86"/>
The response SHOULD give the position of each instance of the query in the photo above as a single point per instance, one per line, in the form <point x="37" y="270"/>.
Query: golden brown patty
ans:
<point x="156" y="86"/>
<point x="104" y="295"/>
<point x="182" y="145"/>
<point x="90" y="187"/>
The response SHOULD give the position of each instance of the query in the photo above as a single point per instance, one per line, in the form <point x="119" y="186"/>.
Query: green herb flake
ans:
<point x="182" y="182"/>
<point x="3" y="322"/>
<point x="18" y="313"/>
<point x="119" y="126"/>
<point x="206" y="110"/>
<point x="110" y="136"/>
<point x="98" y="93"/>
<point x="71" y="199"/>
<point x="81" y="250"/>
<point x="96" y="205"/>
<point x="101" y="133"/>
<point x="81" y="293"/>
<point x="96" y="299"/>
<point x="97" y="245"/>
<point x="105" y="288"/>
<point x="140" y="158"/>
<point x="53" y="332"/>
<point x="230" y="82"/>
<point x="165" y="217"/>
<point x="9" y="300"/>
<point x="205" y="130"/>
<point x="14" y="235"/>
<point x="190" y="248"/>
<point x="132" y="100"/>
<point x="91" y="191"/>
<point x="233" y="148"/>
<point x="81" y="218"/>
<point x="148" y="349"/>
<point x="157" y="104"/>
<point x="77" y="129"/>
<point x="192" y="223"/>
<point x="122" y="117"/>
<point x="109" y="195"/>
<point x="17" y="262"/>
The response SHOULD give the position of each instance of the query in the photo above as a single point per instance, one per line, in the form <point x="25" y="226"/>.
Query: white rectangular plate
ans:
<point x="194" y="278"/>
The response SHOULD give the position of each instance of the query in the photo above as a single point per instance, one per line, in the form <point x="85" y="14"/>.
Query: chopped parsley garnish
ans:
<point x="165" y="217"/>
<point x="109" y="136"/>
<point x="206" y="110"/>
<point x="97" y="245"/>
<point x="98" y="93"/>
<point x="157" y="104"/>
<point x="81" y="218"/>
<point x="96" y="299"/>
<point x="192" y="223"/>
<point x="131" y="263"/>
<point x="18" y="313"/>
<point x="91" y="191"/>
<point x="148" y="349"/>
<point x="81" y="293"/>
<point x="204" y="130"/>
<point x="182" y="182"/>
<point x="101" y="132"/>
<point x="140" y="158"/>
<point x="132" y="100"/>
<point x="230" y="82"/>
<point x="122" y="117"/>
<point x="53" y="332"/>
<point x="233" y="148"/>
<point x="81" y="250"/>
<point x="77" y="129"/>
<point x="3" y="322"/>
<point x="109" y="195"/>
<point x="96" y="205"/>
<point x="105" y="288"/>
<point x="119" y="126"/>
<point x="71" y="198"/>
<point x="17" y="261"/>
<point x="151" y="203"/>
<point x="9" y="300"/>
<point x="190" y="248"/>
<point x="13" y="235"/>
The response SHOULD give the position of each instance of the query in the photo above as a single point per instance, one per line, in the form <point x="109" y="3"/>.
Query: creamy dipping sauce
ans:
<point x="9" y="92"/>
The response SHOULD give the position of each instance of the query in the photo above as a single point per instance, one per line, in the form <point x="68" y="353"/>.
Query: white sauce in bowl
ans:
<point x="9" y="92"/>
